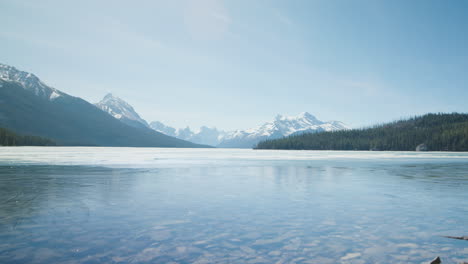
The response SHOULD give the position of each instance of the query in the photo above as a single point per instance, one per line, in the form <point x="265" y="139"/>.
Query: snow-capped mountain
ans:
<point x="29" y="82"/>
<point x="207" y="135"/>
<point x="29" y="106"/>
<point x="160" y="127"/>
<point x="121" y="110"/>
<point x="281" y="126"/>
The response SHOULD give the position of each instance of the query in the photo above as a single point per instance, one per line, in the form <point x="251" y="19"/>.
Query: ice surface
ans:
<point x="170" y="157"/>
<point x="153" y="205"/>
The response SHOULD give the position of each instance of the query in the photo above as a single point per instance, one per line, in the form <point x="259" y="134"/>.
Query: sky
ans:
<point x="236" y="64"/>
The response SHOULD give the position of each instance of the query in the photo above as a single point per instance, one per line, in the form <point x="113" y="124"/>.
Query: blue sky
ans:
<point x="235" y="64"/>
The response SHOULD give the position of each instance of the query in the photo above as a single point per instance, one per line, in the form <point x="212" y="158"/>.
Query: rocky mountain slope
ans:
<point x="30" y="107"/>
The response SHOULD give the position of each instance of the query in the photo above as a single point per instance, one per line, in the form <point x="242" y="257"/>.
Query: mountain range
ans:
<point x="33" y="113"/>
<point x="208" y="135"/>
<point x="30" y="107"/>
<point x="281" y="126"/>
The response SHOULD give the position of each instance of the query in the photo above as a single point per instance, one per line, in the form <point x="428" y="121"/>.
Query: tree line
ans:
<point x="438" y="132"/>
<point x="10" y="138"/>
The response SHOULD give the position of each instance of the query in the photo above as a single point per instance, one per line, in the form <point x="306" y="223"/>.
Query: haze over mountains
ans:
<point x="209" y="135"/>
<point x="280" y="127"/>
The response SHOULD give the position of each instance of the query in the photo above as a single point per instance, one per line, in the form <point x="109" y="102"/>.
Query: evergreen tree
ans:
<point x="9" y="138"/>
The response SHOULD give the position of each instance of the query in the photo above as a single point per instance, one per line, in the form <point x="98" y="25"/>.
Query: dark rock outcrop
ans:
<point x="460" y="238"/>
<point x="436" y="261"/>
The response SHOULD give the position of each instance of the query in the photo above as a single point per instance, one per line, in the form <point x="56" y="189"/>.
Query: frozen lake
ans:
<point x="149" y="205"/>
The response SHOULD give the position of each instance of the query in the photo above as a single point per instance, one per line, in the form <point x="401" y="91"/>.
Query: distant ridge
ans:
<point x="280" y="127"/>
<point x="30" y="107"/>
<point x="431" y="132"/>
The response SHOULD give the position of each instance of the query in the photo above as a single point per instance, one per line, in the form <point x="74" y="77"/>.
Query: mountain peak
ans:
<point x="279" y="117"/>
<point x="29" y="82"/>
<point x="306" y="115"/>
<point x="303" y="115"/>
<point x="109" y="96"/>
<point x="10" y="73"/>
<point x="121" y="110"/>
<point x="112" y="98"/>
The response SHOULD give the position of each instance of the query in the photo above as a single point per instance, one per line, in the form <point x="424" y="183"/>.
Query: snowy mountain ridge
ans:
<point x="121" y="110"/>
<point x="29" y="82"/>
<point x="288" y="125"/>
<point x="281" y="126"/>
<point x="208" y="135"/>
<point x="29" y="106"/>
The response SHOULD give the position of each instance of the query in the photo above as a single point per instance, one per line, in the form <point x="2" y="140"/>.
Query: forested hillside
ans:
<point x="9" y="138"/>
<point x="438" y="132"/>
